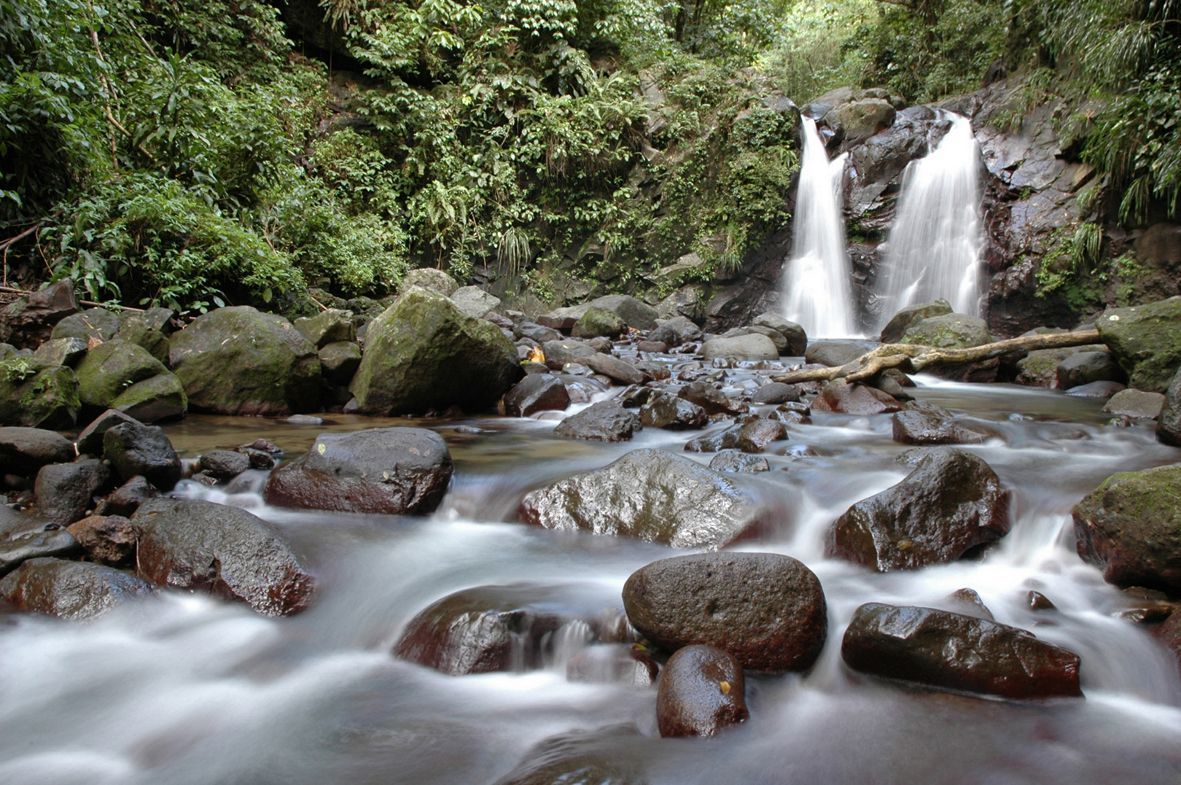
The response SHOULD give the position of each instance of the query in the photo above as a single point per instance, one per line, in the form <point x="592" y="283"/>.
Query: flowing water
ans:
<point x="817" y="288"/>
<point x="936" y="239"/>
<point x="186" y="690"/>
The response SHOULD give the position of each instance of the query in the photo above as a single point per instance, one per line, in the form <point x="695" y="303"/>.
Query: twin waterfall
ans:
<point x="933" y="249"/>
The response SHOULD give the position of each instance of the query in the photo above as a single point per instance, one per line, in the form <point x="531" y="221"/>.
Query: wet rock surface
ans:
<point x="1130" y="527"/>
<point x="666" y="411"/>
<point x="108" y="539"/>
<point x="65" y="491"/>
<point x="649" y="494"/>
<point x="927" y="424"/>
<point x="24" y="537"/>
<point x="951" y="651"/>
<point x="844" y="398"/>
<point x="25" y="450"/>
<point x="768" y="610"/>
<point x="1146" y="342"/>
<point x="536" y="393"/>
<point x="70" y="590"/>
<point x="951" y="503"/>
<point x="226" y="551"/>
<point x="393" y="471"/>
<point x="134" y="449"/>
<point x="1168" y="428"/>
<point x="702" y="691"/>
<point x="606" y="421"/>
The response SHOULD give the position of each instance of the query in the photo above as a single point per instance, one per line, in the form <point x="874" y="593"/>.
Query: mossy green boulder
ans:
<point x="1130" y="526"/>
<point x="37" y="397"/>
<point x="238" y="360"/>
<point x="125" y="376"/>
<point x="1146" y="341"/>
<point x="949" y="331"/>
<point x="599" y="323"/>
<point x="422" y="354"/>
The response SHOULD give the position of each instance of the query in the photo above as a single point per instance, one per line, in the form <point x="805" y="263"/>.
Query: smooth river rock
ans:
<point x="701" y="691"/>
<point x="70" y="590"/>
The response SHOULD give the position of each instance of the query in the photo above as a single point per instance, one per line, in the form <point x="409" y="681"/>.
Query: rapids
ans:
<point x="187" y="690"/>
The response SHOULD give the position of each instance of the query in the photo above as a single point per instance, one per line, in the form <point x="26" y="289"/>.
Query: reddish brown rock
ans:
<point x="844" y="398"/>
<point x="701" y="692"/>
<point x="70" y="590"/>
<point x="108" y="539"/>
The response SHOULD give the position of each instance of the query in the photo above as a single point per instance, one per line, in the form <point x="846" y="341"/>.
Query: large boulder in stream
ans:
<point x="948" y="331"/>
<point x="913" y="314"/>
<point x="702" y="690"/>
<point x="1168" y="427"/>
<point x="227" y="551"/>
<point x="125" y="376"/>
<point x="753" y="346"/>
<point x="951" y="651"/>
<point x="137" y="450"/>
<point x="25" y="450"/>
<point x="926" y="423"/>
<point x="393" y="471"/>
<point x="237" y="360"/>
<point x="423" y="353"/>
<point x="652" y="495"/>
<point x="35" y="396"/>
<point x="766" y="609"/>
<point x="70" y="590"/>
<point x="1146" y="341"/>
<point x="605" y="421"/>
<point x="1130" y="527"/>
<point x="951" y="503"/>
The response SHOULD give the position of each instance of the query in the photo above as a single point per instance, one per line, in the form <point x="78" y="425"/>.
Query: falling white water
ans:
<point x="935" y="243"/>
<point x="817" y="288"/>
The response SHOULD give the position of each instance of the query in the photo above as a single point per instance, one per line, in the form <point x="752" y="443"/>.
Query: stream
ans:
<point x="184" y="689"/>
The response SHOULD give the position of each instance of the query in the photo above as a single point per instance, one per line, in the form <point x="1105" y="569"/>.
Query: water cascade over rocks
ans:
<point x="935" y="242"/>
<point x="817" y="286"/>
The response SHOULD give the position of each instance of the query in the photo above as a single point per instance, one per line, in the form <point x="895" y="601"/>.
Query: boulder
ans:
<point x="558" y="354"/>
<point x="137" y="449"/>
<point x="950" y="331"/>
<point x="951" y="503"/>
<point x="740" y="347"/>
<point x="776" y="392"/>
<point x="1130" y="527"/>
<point x="701" y="691"/>
<point x="37" y="397"/>
<point x="108" y="539"/>
<point x="836" y="352"/>
<point x="161" y="397"/>
<point x="423" y="353"/>
<point x="339" y="361"/>
<point x="25" y="450"/>
<point x="757" y="433"/>
<point x="668" y="411"/>
<point x="735" y="461"/>
<point x="28" y="321"/>
<point x="223" y="464"/>
<point x="913" y="314"/>
<point x="844" y="398"/>
<point x="633" y="312"/>
<point x="60" y="351"/>
<point x="474" y="302"/>
<point x="139" y="329"/>
<point x="488" y="629"/>
<point x="227" y="551"/>
<point x="606" y="421"/>
<point x="766" y="609"/>
<point x="93" y="323"/>
<point x="955" y="652"/>
<point x="1135" y="403"/>
<point x="1146" y="342"/>
<point x="651" y="495"/>
<point x="333" y="325"/>
<point x="237" y="360"/>
<point x="536" y="393"/>
<point x="599" y="322"/>
<point x="1168" y="427"/>
<point x="1100" y="390"/>
<point x="857" y="120"/>
<point x="65" y="491"/>
<point x="710" y="398"/>
<point x="777" y="338"/>
<point x="117" y="371"/>
<point x="927" y="424"/>
<point x="127" y="498"/>
<point x="23" y="538"/>
<point x="389" y="471"/>
<point x="797" y="339"/>
<point x="430" y="278"/>
<point x="1085" y="367"/>
<point x="676" y="331"/>
<point x="90" y="439"/>
<point x="70" y="590"/>
<point x="615" y="369"/>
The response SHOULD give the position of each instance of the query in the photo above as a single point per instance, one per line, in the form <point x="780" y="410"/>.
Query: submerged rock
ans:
<point x="951" y="651"/>
<point x="949" y="504"/>
<point x="1130" y="527"/>
<point x="702" y="691"/>
<point x="577" y="758"/>
<point x="392" y="471"/>
<point x="925" y="423"/>
<point x="651" y="495"/>
<point x="766" y="609"/>
<point x="227" y="551"/>
<point x="70" y="590"/>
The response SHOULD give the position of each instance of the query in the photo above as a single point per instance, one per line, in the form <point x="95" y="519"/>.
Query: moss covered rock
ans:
<point x="949" y="331"/>
<point x="423" y="353"/>
<point x="125" y="376"/>
<point x="1130" y="526"/>
<point x="37" y="397"/>
<point x="1146" y="341"/>
<point x="240" y="361"/>
<point x="599" y="322"/>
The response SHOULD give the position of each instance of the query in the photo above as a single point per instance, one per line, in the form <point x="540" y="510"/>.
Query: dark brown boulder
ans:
<point x="844" y="398"/>
<point x="536" y="393"/>
<point x="701" y="692"/>
<point x="956" y="652"/>
<point x="134" y="449"/>
<point x="1169" y="634"/>
<point x="227" y="551"/>
<point x="710" y="398"/>
<point x="90" y="439"/>
<point x="925" y="423"/>
<point x="25" y="450"/>
<point x="776" y="392"/>
<point x="70" y="590"/>
<point x="224" y="464"/>
<point x="606" y="421"/>
<point x="615" y="369"/>
<point x="392" y="471"/>
<point x="1130" y="527"/>
<point x="127" y="498"/>
<point x="651" y="495"/>
<point x="489" y="629"/>
<point x="766" y="609"/>
<point x="108" y="539"/>
<point x="65" y="491"/>
<point x="949" y="504"/>
<point x="674" y="413"/>
<point x="28" y="321"/>
<point x="757" y="434"/>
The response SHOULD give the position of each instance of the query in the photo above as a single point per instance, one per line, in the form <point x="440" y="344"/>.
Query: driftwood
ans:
<point x="911" y="358"/>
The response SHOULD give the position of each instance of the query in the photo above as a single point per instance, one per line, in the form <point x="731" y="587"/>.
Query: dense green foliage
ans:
<point x="194" y="154"/>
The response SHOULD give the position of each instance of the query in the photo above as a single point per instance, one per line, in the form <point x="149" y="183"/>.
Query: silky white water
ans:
<point x="817" y="286"/>
<point x="936" y="239"/>
<point x="186" y="690"/>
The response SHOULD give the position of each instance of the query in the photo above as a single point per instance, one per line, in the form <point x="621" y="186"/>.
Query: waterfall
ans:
<point x="817" y="288"/>
<point x="935" y="242"/>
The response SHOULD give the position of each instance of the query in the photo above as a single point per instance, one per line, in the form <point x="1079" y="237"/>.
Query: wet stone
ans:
<point x="702" y="691"/>
<point x="735" y="461"/>
<point x="606" y="421"/>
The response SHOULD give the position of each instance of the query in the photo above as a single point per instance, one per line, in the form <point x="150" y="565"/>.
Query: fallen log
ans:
<point x="912" y="358"/>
